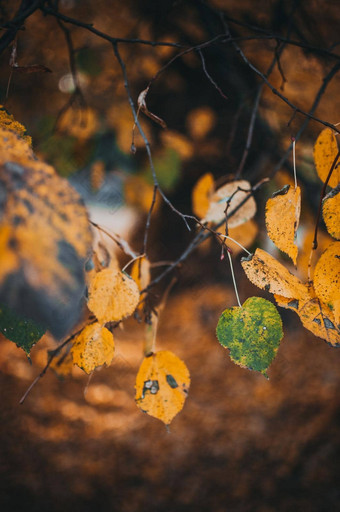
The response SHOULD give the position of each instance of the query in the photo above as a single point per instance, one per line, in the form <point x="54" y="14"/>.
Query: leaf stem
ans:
<point x="234" y="280"/>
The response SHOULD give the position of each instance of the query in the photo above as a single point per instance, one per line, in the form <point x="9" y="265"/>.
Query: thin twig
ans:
<point x="209" y="76"/>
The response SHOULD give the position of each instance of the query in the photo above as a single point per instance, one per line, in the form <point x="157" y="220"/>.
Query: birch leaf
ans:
<point x="267" y="273"/>
<point x="331" y="212"/>
<point x="325" y="150"/>
<point x="162" y="385"/>
<point x="113" y="295"/>
<point x="45" y="239"/>
<point x="252" y="333"/>
<point x="140" y="272"/>
<point x="238" y="190"/>
<point x="282" y="219"/>
<point x="22" y="331"/>
<point x="201" y="195"/>
<point x="327" y="277"/>
<point x="93" y="347"/>
<point x="315" y="316"/>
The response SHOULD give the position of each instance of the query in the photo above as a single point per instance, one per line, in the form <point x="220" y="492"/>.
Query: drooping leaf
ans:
<point x="331" y="212"/>
<point x="326" y="279"/>
<point x="140" y="272"/>
<point x="267" y="273"/>
<point x="315" y="316"/>
<point x="162" y="385"/>
<point x="113" y="295"/>
<point x="93" y="347"/>
<point x="25" y="333"/>
<point x="44" y="239"/>
<point x="238" y="192"/>
<point x="252" y="333"/>
<point x="282" y="219"/>
<point x="201" y="195"/>
<point x="325" y="150"/>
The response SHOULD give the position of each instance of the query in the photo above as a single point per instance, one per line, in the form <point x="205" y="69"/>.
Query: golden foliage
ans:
<point x="325" y="151"/>
<point x="8" y="122"/>
<point x="201" y="195"/>
<point x="331" y="212"/>
<point x="162" y="385"/>
<point x="282" y="219"/>
<point x="327" y="277"/>
<point x="267" y="273"/>
<point x="81" y="123"/>
<point x="178" y="142"/>
<point x="237" y="191"/>
<point x="113" y="295"/>
<point x="140" y="272"/>
<point x="93" y="347"/>
<point x="200" y="122"/>
<point x="244" y="234"/>
<point x="139" y="193"/>
<point x="316" y="316"/>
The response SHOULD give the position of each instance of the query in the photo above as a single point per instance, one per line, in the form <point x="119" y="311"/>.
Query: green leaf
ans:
<point x="252" y="333"/>
<point x="25" y="333"/>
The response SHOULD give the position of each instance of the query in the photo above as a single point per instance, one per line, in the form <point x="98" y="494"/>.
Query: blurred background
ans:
<point x="242" y="443"/>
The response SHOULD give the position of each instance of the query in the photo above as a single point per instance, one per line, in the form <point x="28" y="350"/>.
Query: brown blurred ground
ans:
<point x="242" y="443"/>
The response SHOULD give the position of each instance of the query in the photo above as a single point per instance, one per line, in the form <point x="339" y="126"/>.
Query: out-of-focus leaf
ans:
<point x="244" y="234"/>
<point x="113" y="295"/>
<point x="282" y="219"/>
<point x="93" y="347"/>
<point x="200" y="122"/>
<point x="325" y="150"/>
<point x="237" y="191"/>
<point x="252" y="333"/>
<point x="140" y="272"/>
<point x="45" y="239"/>
<point x="177" y="142"/>
<point x="162" y="385"/>
<point x="63" y="364"/>
<point x="80" y="123"/>
<point x="331" y="212"/>
<point x="268" y="274"/>
<point x="139" y="193"/>
<point x="25" y="333"/>
<point x="201" y="194"/>
<point x="168" y="169"/>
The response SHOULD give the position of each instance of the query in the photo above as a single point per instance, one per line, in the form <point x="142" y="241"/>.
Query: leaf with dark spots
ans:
<point x="171" y="381"/>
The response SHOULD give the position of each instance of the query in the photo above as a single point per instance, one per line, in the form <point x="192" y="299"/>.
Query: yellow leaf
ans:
<point x="139" y="193"/>
<point x="113" y="295"/>
<point x="162" y="385"/>
<point x="327" y="276"/>
<point x="93" y="347"/>
<point x="282" y="219"/>
<point x="201" y="195"/>
<point x="222" y="195"/>
<point x="178" y="142"/>
<point x="267" y="273"/>
<point x="315" y="316"/>
<point x="325" y="150"/>
<point x="244" y="234"/>
<point x="45" y="238"/>
<point x="200" y="122"/>
<point x="81" y="123"/>
<point x="140" y="272"/>
<point x="8" y="122"/>
<point x="331" y="212"/>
